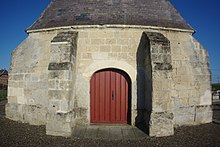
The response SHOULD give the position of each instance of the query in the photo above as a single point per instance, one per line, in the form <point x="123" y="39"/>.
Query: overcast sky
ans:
<point x="203" y="16"/>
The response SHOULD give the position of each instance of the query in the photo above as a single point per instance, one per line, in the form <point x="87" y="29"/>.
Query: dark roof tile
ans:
<point x="125" y="12"/>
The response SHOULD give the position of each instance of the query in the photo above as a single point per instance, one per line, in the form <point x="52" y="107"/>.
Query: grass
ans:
<point x="215" y="86"/>
<point x="3" y="94"/>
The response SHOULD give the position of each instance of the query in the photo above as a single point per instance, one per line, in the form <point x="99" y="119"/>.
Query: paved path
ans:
<point x="110" y="132"/>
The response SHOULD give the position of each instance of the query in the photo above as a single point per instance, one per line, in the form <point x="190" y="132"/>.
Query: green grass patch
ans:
<point x="215" y="87"/>
<point x="3" y="94"/>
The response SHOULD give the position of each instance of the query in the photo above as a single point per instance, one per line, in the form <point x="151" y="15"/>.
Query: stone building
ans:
<point x="110" y="61"/>
<point x="3" y="79"/>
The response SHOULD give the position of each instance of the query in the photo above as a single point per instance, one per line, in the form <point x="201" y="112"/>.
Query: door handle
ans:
<point x="113" y="97"/>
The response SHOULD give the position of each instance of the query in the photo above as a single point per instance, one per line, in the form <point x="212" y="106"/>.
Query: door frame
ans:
<point x="127" y="77"/>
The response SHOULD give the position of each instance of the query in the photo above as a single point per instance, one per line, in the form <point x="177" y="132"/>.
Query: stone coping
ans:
<point x="111" y="26"/>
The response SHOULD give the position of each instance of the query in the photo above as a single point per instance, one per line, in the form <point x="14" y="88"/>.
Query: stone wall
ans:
<point x="191" y="89"/>
<point x="28" y="86"/>
<point x="50" y="77"/>
<point x="99" y="49"/>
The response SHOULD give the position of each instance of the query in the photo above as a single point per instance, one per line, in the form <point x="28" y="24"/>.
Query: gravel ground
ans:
<point x="15" y="134"/>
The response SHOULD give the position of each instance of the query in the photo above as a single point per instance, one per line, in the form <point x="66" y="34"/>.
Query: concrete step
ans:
<point x="109" y="132"/>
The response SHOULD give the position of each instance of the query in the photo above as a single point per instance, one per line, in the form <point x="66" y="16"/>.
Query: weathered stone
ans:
<point x="97" y="41"/>
<point x="58" y="124"/>
<point x="36" y="96"/>
<point x="18" y="77"/>
<point x="110" y="41"/>
<point x="81" y="121"/>
<point x="167" y="69"/>
<point x="60" y="66"/>
<point x="65" y="37"/>
<point x="203" y="114"/>
<point x="184" y="115"/>
<point x="161" y="124"/>
<point x="12" y="99"/>
<point x="14" y="112"/>
<point x="34" y="115"/>
<point x="163" y="66"/>
<point x="80" y="112"/>
<point x="60" y="74"/>
<point x="59" y="94"/>
<point x="105" y="48"/>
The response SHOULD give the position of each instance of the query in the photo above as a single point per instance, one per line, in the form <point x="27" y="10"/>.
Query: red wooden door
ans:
<point x="109" y="97"/>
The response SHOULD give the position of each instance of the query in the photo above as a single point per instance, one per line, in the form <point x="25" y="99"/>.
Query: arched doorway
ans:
<point x="110" y="97"/>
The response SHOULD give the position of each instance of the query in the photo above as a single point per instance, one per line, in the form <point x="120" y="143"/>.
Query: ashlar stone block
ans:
<point x="105" y="48"/>
<point x="184" y="115"/>
<point x="18" y="77"/>
<point x="12" y="99"/>
<point x="161" y="124"/>
<point x="14" y="111"/>
<point x="203" y="114"/>
<point x="59" y="94"/>
<point x="59" y="74"/>
<point x="59" y="124"/>
<point x="34" y="115"/>
<point x="110" y="41"/>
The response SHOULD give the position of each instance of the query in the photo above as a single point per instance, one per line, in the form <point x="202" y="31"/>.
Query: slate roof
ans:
<point x="3" y="72"/>
<point x="100" y="12"/>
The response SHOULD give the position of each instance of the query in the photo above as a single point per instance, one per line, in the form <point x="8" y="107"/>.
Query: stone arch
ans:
<point x="121" y="65"/>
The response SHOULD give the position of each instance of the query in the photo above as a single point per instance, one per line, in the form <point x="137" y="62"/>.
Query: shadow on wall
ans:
<point x="144" y="85"/>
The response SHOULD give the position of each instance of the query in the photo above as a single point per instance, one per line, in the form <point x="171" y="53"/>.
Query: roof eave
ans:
<point x="110" y="26"/>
